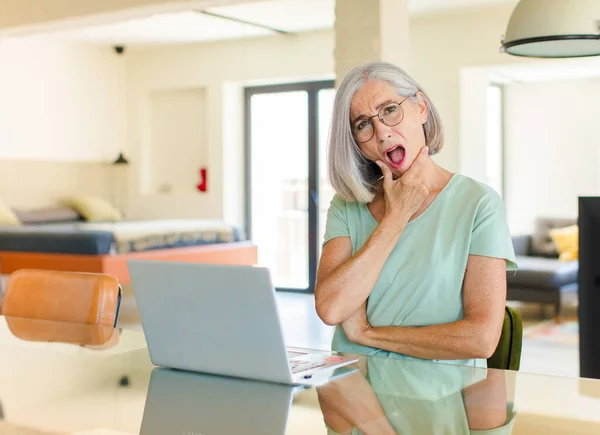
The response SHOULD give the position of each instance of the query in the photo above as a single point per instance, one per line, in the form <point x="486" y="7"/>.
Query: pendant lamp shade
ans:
<point x="554" y="29"/>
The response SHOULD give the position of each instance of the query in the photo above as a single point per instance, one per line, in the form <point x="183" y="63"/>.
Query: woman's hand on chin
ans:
<point x="405" y="195"/>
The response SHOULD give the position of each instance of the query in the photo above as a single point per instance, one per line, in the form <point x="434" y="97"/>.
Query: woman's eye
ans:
<point x="389" y="109"/>
<point x="361" y="125"/>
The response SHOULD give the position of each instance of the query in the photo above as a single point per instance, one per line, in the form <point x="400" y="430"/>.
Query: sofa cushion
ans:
<point x="541" y="242"/>
<point x="566" y="241"/>
<point x="543" y="272"/>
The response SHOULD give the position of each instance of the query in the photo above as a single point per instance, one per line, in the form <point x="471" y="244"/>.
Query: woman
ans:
<point x="415" y="257"/>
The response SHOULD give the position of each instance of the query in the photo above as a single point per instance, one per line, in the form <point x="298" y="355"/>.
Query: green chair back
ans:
<point x="508" y="353"/>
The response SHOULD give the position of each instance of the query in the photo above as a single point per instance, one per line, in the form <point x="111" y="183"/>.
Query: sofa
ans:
<point x="541" y="276"/>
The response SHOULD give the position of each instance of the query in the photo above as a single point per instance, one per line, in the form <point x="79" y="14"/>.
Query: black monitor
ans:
<point x="589" y="287"/>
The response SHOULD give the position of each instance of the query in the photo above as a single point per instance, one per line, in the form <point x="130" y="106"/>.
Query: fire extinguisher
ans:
<point x="202" y="185"/>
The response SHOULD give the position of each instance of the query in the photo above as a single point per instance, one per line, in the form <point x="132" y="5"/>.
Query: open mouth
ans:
<point x="395" y="156"/>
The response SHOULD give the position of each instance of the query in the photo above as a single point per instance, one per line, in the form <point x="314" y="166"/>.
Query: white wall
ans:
<point x="441" y="46"/>
<point x="223" y="69"/>
<point x="60" y="102"/>
<point x="552" y="148"/>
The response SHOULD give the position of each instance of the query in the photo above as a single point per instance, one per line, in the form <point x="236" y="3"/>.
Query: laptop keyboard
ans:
<point x="301" y="365"/>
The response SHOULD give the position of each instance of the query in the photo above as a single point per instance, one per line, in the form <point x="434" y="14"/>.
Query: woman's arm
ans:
<point x="474" y="336"/>
<point x="344" y="281"/>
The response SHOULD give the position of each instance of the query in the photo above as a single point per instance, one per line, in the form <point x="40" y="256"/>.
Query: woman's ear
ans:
<point x="423" y="106"/>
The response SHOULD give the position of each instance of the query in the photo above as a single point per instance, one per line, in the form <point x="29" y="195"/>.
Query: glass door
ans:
<point x="286" y="129"/>
<point x="325" y="102"/>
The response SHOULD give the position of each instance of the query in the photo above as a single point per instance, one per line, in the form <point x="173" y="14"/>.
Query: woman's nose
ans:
<point x="382" y="131"/>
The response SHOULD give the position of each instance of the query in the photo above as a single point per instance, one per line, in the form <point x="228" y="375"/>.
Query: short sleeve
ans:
<point x="490" y="235"/>
<point x="337" y="220"/>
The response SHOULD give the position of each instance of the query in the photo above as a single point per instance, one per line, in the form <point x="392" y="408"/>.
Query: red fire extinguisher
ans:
<point x="202" y="185"/>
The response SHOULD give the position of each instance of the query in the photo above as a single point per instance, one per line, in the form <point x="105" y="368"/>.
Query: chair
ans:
<point x="94" y="337"/>
<point x="70" y="297"/>
<point x="508" y="352"/>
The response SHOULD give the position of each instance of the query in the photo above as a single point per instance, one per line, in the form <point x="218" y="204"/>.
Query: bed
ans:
<point x="105" y="247"/>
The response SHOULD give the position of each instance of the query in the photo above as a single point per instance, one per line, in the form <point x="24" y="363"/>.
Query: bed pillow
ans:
<point x="94" y="209"/>
<point x="48" y="215"/>
<point x="7" y="216"/>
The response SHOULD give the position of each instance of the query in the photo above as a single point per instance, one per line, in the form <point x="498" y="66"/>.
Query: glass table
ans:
<point x="58" y="378"/>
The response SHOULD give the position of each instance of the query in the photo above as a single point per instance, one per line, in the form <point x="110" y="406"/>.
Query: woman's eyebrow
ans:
<point x="379" y="106"/>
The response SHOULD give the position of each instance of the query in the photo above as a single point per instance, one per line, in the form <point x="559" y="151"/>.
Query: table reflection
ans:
<point x="397" y="396"/>
<point x="375" y="396"/>
<point x="194" y="403"/>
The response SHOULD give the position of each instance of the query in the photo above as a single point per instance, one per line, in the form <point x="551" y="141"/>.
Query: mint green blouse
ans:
<point x="422" y="279"/>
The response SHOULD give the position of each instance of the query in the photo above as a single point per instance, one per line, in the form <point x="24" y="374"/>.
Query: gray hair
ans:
<point x="352" y="175"/>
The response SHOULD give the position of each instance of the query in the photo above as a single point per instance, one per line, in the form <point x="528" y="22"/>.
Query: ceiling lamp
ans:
<point x="120" y="160"/>
<point x="554" y="29"/>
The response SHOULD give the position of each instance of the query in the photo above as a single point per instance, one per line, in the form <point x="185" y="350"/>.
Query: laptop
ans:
<point x="221" y="319"/>
<point x="180" y="402"/>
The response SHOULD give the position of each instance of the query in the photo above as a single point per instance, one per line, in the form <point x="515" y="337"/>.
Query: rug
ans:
<point x="549" y="332"/>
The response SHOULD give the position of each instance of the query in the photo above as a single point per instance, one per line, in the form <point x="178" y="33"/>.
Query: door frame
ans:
<point x="312" y="88"/>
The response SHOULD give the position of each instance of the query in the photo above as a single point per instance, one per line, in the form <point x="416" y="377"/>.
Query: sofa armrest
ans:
<point x="522" y="244"/>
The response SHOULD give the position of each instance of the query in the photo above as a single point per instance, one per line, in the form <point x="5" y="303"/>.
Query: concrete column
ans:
<point x="370" y="30"/>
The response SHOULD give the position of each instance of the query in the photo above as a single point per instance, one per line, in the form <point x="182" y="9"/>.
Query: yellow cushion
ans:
<point x="7" y="216"/>
<point x="566" y="241"/>
<point x="94" y="209"/>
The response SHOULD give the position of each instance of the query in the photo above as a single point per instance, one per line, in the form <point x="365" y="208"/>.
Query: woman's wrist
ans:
<point x="396" y="222"/>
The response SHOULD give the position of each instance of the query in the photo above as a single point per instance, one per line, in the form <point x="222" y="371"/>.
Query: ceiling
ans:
<point x="257" y="18"/>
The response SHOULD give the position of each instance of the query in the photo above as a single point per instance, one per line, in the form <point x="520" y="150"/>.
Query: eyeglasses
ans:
<point x="390" y="114"/>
